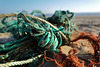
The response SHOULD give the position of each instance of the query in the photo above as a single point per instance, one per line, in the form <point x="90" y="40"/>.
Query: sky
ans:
<point x="49" y="6"/>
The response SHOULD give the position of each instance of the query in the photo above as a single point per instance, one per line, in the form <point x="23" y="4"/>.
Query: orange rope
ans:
<point x="50" y="59"/>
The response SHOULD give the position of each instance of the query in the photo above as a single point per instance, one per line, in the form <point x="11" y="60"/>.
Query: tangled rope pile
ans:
<point x="34" y="35"/>
<point x="73" y="61"/>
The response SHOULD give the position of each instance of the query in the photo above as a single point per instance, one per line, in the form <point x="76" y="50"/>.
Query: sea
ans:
<point x="78" y="14"/>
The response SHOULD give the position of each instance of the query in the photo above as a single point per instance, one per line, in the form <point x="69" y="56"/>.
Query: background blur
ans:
<point x="87" y="11"/>
<point x="49" y="6"/>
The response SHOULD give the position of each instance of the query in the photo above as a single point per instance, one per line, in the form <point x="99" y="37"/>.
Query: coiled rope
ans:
<point x="34" y="35"/>
<point x="34" y="17"/>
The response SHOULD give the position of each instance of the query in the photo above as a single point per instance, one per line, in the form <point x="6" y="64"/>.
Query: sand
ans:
<point x="89" y="24"/>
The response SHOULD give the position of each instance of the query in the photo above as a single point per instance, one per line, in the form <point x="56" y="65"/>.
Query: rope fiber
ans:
<point x="34" y="35"/>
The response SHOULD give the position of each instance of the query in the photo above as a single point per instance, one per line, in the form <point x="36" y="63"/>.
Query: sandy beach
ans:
<point x="88" y="23"/>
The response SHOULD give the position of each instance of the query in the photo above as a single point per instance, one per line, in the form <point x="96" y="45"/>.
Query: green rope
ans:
<point x="35" y="34"/>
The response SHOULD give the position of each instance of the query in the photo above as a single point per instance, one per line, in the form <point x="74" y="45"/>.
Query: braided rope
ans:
<point x="34" y="17"/>
<point x="8" y="64"/>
